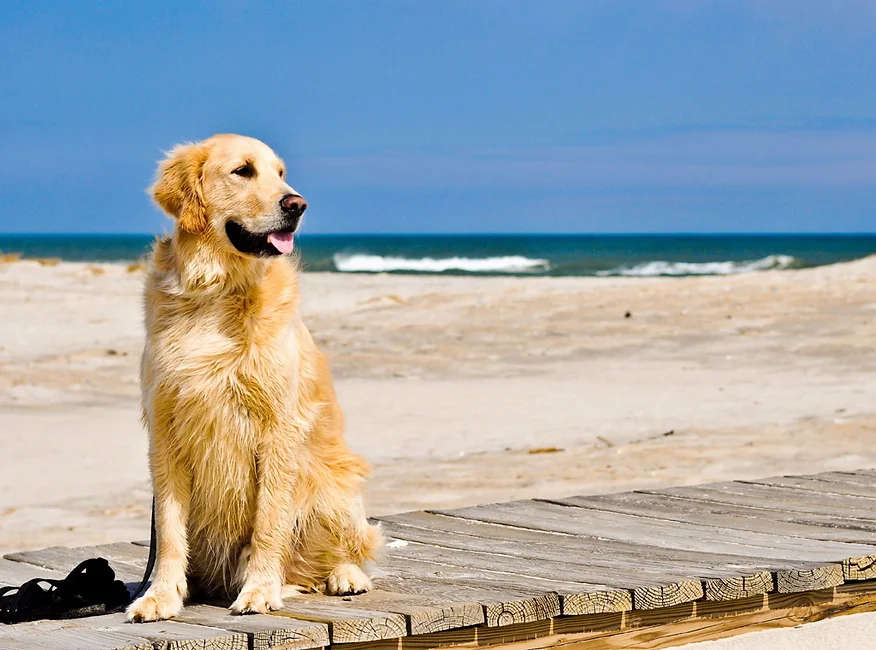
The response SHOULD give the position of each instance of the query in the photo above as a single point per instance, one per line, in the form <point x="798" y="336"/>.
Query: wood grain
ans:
<point x="124" y="561"/>
<point x="499" y="599"/>
<point x="264" y="630"/>
<point x="654" y="629"/>
<point x="686" y="537"/>
<point x="14" y="573"/>
<point x="347" y="625"/>
<point x="649" y="588"/>
<point x="740" y="579"/>
<point x="739" y="588"/>
<point x="822" y="484"/>
<point x="171" y="635"/>
<point x="59" y="635"/>
<point x="723" y="516"/>
<point x="776" y="498"/>
<point x="110" y="631"/>
<point x="425" y="612"/>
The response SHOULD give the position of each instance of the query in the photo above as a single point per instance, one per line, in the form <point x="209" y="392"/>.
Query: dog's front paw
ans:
<point x="156" y="605"/>
<point x="347" y="579"/>
<point x="258" y="599"/>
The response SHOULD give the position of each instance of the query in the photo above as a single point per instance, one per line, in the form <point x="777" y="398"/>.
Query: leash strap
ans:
<point x="150" y="564"/>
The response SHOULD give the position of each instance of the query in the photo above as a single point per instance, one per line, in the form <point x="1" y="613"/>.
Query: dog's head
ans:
<point x="233" y="189"/>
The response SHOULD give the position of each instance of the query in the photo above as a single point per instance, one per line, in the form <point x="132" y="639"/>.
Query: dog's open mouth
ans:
<point x="280" y="242"/>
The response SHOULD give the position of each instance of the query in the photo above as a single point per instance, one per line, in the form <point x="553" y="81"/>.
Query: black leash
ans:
<point x="150" y="564"/>
<point x="88" y="590"/>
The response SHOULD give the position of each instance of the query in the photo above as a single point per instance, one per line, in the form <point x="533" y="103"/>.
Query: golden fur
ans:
<point x="255" y="487"/>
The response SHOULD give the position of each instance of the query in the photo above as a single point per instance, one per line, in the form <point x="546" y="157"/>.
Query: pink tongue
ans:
<point x="282" y="241"/>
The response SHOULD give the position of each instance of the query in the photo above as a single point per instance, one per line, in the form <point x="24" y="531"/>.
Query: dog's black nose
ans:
<point x="293" y="205"/>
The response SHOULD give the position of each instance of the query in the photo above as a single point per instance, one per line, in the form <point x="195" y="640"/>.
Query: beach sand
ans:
<point x="462" y="390"/>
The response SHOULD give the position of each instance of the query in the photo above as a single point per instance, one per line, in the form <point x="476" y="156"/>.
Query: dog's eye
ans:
<point x="282" y="173"/>
<point x="247" y="171"/>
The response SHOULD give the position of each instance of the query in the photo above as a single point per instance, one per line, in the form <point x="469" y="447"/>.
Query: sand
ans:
<point x="462" y="390"/>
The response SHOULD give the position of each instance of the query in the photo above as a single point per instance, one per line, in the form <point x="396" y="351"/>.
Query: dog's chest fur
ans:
<point x="230" y="361"/>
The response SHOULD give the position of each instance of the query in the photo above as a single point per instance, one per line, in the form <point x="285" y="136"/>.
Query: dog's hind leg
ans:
<point x="341" y="547"/>
<point x="347" y="579"/>
<point x="361" y="545"/>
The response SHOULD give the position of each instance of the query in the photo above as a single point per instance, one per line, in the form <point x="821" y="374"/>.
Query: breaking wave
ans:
<point x="656" y="268"/>
<point x="367" y="263"/>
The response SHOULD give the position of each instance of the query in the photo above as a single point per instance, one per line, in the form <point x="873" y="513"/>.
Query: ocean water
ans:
<point x="528" y="255"/>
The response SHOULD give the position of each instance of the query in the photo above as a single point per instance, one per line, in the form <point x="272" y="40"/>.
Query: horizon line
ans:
<point x="836" y="233"/>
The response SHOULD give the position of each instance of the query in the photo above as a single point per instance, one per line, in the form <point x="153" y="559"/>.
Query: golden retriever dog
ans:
<point x="257" y="495"/>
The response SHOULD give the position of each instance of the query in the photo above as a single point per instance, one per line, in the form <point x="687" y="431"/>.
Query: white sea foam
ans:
<point x="367" y="263"/>
<point x="648" y="269"/>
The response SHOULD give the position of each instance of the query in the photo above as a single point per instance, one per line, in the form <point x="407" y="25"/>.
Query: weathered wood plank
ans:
<point x="862" y="568"/>
<point x="819" y="484"/>
<point x="25" y="644"/>
<point x="499" y="603"/>
<point x="124" y="552"/>
<point x="110" y="631"/>
<point x="741" y="578"/>
<point x="127" y="565"/>
<point x="718" y="515"/>
<point x="662" y="534"/>
<point x="14" y="573"/>
<point x="265" y="631"/>
<point x="426" y="613"/>
<point x="512" y="612"/>
<point x="818" y="578"/>
<point x="687" y="537"/>
<point x="170" y="635"/>
<point x="791" y="499"/>
<point x="61" y="635"/>
<point x="746" y="586"/>
<point x="680" y="592"/>
<point x="850" y="478"/>
<point x="833" y="527"/>
<point x="436" y="530"/>
<point x="346" y="625"/>
<point x="74" y="639"/>
<point x="861" y="472"/>
<point x="859" y="567"/>
<point x="527" y="568"/>
<point x="647" y="588"/>
<point x="499" y="594"/>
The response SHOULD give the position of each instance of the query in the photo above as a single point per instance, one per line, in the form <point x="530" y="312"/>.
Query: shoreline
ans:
<point x="517" y="255"/>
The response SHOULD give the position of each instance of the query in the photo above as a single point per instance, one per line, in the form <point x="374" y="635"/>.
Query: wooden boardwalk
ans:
<point x="647" y="569"/>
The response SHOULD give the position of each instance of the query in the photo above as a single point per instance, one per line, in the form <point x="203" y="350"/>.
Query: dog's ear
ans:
<point x="178" y="187"/>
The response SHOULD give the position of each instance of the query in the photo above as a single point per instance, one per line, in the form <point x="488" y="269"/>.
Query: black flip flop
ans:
<point x="88" y="590"/>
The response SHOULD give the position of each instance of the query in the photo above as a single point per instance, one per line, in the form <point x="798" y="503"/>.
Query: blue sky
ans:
<point x="452" y="116"/>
